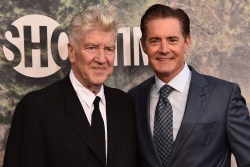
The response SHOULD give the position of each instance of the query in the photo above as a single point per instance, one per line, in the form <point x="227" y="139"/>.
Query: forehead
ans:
<point x="167" y="26"/>
<point x="99" y="36"/>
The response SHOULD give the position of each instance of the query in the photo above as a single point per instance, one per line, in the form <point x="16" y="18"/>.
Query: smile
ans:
<point x="164" y="59"/>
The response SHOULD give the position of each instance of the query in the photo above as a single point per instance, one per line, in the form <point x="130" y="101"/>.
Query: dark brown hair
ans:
<point x="163" y="11"/>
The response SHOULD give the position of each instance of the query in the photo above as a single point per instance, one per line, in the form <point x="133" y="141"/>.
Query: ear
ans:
<point x="187" y="43"/>
<point x="71" y="53"/>
<point x="143" y="44"/>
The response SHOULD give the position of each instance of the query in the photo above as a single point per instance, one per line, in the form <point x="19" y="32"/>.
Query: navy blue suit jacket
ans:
<point x="50" y="129"/>
<point x="216" y="123"/>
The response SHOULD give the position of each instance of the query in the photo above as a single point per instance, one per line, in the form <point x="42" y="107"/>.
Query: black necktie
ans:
<point x="163" y="125"/>
<point x="97" y="126"/>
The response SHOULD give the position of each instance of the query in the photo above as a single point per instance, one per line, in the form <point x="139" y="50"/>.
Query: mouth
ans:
<point x="99" y="65"/>
<point x="99" y="69"/>
<point x="164" y="58"/>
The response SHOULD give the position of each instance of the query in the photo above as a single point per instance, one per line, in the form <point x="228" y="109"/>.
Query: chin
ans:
<point x="163" y="70"/>
<point x="99" y="81"/>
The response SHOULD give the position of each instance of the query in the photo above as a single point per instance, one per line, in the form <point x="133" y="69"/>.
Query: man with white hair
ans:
<point x="78" y="121"/>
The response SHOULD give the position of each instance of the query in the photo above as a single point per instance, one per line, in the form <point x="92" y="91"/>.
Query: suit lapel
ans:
<point x="197" y="99"/>
<point x="112" y="124"/>
<point x="144" y="116"/>
<point x="82" y="127"/>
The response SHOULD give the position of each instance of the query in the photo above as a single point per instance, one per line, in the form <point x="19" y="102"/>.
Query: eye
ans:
<point x="172" y="40"/>
<point x="91" y="49"/>
<point x="154" y="42"/>
<point x="109" y="50"/>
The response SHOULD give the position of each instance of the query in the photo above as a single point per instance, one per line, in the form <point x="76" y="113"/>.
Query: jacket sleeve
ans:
<point x="25" y="147"/>
<point x="238" y="128"/>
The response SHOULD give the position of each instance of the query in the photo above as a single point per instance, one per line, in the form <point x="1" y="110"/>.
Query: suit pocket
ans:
<point x="207" y="132"/>
<point x="206" y="127"/>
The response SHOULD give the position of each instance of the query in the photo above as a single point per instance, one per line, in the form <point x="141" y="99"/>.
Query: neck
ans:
<point x="94" y="88"/>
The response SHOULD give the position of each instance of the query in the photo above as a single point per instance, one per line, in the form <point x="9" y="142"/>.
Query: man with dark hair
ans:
<point x="78" y="121"/>
<point x="184" y="118"/>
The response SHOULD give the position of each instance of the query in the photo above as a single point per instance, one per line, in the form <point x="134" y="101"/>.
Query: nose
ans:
<point x="101" y="56"/>
<point x="164" y="47"/>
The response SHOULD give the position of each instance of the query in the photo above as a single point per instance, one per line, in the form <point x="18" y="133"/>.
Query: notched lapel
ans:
<point x="83" y="129"/>
<point x="143" y="116"/>
<point x="113" y="134"/>
<point x="82" y="126"/>
<point x="199" y="91"/>
<point x="112" y="125"/>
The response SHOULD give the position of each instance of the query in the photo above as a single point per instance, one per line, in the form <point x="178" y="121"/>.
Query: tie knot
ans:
<point x="96" y="101"/>
<point x="166" y="90"/>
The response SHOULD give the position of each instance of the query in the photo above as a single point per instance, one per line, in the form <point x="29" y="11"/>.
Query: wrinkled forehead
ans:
<point x="98" y="36"/>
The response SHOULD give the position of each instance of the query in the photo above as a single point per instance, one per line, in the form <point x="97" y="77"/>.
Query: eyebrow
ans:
<point x="169" y="37"/>
<point x="96" y="44"/>
<point x="173" y="36"/>
<point x="154" y="38"/>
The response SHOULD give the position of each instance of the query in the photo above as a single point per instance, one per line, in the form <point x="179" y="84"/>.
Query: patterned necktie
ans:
<point x="97" y="126"/>
<point x="163" y="125"/>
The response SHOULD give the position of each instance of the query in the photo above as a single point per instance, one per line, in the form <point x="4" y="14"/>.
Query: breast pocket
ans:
<point x="206" y="132"/>
<point x="206" y="127"/>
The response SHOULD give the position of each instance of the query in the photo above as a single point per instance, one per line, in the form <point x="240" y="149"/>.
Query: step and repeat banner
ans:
<point x="33" y="45"/>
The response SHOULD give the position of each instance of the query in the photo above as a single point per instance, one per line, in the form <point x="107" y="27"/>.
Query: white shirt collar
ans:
<point x="87" y="96"/>
<point x="178" y="82"/>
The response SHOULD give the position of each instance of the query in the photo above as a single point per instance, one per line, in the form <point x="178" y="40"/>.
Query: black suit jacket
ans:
<point x="50" y="129"/>
<point x="216" y="123"/>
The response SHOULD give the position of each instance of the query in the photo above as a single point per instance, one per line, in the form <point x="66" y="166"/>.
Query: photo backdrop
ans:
<point x="33" y="40"/>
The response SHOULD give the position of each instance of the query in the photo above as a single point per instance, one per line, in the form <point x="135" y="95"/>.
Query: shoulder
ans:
<point x="44" y="94"/>
<point x="217" y="87"/>
<point x="203" y="79"/>
<point x="43" y="102"/>
<point x="224" y="89"/>
<point x="218" y="82"/>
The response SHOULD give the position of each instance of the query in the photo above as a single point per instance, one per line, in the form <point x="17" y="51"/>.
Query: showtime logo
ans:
<point x="36" y="46"/>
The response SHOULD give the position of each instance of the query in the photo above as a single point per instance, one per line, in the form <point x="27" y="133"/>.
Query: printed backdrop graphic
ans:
<point x="33" y="45"/>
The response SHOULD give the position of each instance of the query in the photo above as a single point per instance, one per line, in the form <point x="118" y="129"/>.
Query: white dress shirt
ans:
<point x="177" y="98"/>
<point x="87" y="98"/>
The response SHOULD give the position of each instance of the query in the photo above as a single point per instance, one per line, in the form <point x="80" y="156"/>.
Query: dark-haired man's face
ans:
<point x="165" y="46"/>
